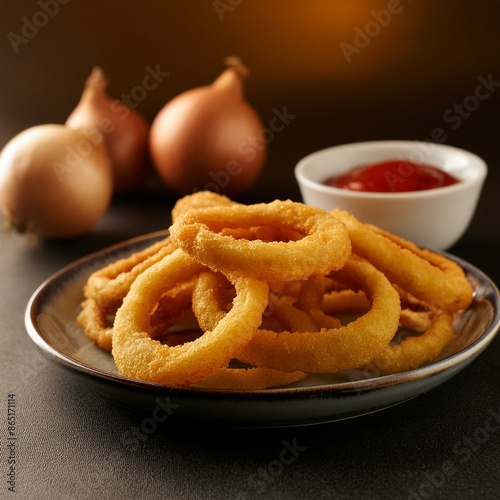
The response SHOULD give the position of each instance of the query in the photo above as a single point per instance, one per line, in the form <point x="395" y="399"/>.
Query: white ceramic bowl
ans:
<point x="435" y="218"/>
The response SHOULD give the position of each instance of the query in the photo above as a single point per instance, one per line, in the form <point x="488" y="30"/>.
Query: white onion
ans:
<point x="55" y="181"/>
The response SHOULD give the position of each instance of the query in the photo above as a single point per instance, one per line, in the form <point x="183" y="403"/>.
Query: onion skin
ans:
<point x="55" y="182"/>
<point x="202" y="139"/>
<point x="126" y="132"/>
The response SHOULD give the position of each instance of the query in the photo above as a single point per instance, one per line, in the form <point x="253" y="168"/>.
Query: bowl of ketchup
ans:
<point x="422" y="191"/>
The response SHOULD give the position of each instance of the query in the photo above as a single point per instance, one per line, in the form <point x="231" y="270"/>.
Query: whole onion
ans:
<point x="55" y="182"/>
<point x="124" y="130"/>
<point x="207" y="138"/>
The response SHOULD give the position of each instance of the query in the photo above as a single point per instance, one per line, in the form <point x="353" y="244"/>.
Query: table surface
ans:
<point x="70" y="440"/>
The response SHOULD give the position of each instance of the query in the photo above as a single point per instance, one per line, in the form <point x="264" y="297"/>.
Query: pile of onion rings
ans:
<point x="246" y="297"/>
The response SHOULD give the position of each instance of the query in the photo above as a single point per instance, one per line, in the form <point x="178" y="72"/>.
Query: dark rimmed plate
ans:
<point x="51" y="323"/>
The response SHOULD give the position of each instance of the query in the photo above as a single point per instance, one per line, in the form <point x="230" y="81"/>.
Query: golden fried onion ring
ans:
<point x="310" y="299"/>
<point x="414" y="351"/>
<point x="200" y="199"/>
<point x="428" y="276"/>
<point x="108" y="286"/>
<point x="324" y="247"/>
<point x="138" y="356"/>
<point x="249" y="379"/>
<point x="343" y="348"/>
<point x="96" y="322"/>
<point x="264" y="283"/>
<point x="209" y="307"/>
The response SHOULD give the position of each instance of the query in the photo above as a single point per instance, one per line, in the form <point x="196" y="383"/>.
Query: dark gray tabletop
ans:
<point x="71" y="442"/>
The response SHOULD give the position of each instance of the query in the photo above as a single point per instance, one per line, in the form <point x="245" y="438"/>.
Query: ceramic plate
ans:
<point x="51" y="323"/>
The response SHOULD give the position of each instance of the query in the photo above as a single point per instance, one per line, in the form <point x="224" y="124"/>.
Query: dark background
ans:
<point x="426" y="61"/>
<point x="403" y="80"/>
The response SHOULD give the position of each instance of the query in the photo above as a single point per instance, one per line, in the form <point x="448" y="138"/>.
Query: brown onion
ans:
<point x="207" y="138"/>
<point x="125" y="131"/>
<point x="55" y="182"/>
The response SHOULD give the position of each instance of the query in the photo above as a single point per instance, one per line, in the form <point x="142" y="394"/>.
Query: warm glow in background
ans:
<point x="427" y="58"/>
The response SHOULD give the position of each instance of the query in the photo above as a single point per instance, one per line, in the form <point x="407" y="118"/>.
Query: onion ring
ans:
<point x="94" y="322"/>
<point x="209" y="307"/>
<point x="290" y="316"/>
<point x="325" y="246"/>
<point x="249" y="379"/>
<point x="97" y="324"/>
<point x="428" y="276"/>
<point x="310" y="299"/>
<point x="109" y="285"/>
<point x="247" y="297"/>
<point x="330" y="350"/>
<point x="138" y="356"/>
<point x="345" y="301"/>
<point x="414" y="351"/>
<point x="200" y="199"/>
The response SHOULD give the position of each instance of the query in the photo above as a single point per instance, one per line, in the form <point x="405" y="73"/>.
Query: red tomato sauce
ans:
<point x="392" y="176"/>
